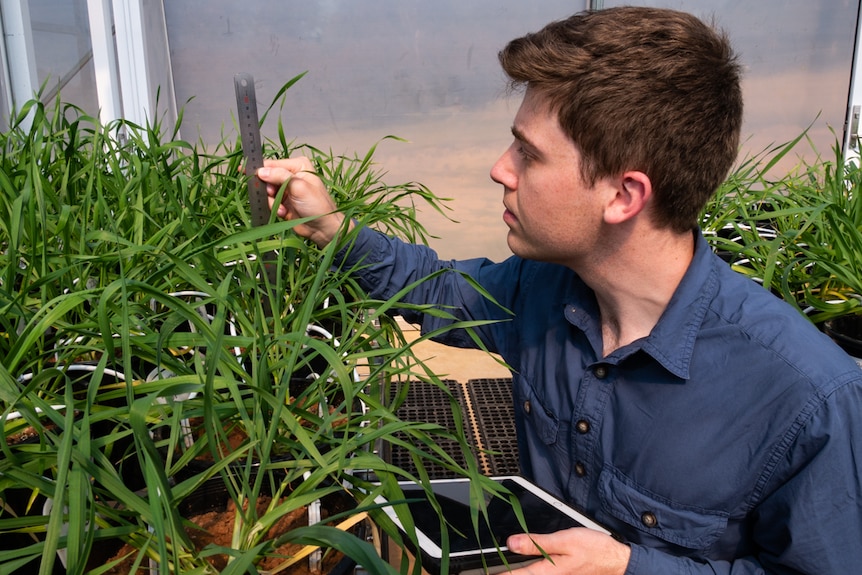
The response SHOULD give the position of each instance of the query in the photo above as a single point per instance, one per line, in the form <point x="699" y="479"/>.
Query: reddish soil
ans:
<point x="216" y="528"/>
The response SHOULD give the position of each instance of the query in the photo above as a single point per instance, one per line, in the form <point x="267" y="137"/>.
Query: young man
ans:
<point x="675" y="401"/>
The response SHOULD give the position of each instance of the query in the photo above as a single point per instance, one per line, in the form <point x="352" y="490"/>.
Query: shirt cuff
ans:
<point x="353" y="251"/>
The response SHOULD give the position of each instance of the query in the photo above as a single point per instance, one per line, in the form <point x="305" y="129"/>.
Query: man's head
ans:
<point x="643" y="89"/>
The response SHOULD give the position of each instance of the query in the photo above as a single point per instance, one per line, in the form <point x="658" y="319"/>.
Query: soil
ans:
<point x="216" y="528"/>
<point x="28" y="434"/>
<point x="235" y="439"/>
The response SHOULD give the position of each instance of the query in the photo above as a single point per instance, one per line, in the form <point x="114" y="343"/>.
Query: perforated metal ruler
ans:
<point x="249" y="127"/>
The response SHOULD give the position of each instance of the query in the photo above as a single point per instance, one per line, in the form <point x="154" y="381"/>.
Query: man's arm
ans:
<point x="385" y="265"/>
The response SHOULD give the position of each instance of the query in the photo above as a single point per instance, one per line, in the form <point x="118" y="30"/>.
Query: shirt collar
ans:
<point x="672" y="340"/>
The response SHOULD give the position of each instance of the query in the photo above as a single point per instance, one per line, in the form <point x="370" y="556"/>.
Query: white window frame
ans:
<point x="18" y="55"/>
<point x="132" y="58"/>
<point x="124" y="78"/>
<point x="852" y="123"/>
<point x="105" y="60"/>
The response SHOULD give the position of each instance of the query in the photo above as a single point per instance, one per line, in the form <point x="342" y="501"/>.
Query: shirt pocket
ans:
<point x="687" y="526"/>
<point x="535" y="413"/>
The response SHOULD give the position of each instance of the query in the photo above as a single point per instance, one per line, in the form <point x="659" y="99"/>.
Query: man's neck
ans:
<point x="635" y="282"/>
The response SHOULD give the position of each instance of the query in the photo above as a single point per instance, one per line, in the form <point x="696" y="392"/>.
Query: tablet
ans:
<point x="543" y="513"/>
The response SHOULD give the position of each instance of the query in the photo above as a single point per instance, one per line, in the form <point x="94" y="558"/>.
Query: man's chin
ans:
<point x="518" y="247"/>
<point x="526" y="251"/>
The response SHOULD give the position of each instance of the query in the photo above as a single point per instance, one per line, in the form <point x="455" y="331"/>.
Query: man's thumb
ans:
<point x="524" y="544"/>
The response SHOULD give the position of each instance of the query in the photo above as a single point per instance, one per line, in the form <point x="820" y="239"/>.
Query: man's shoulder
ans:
<point x="776" y="332"/>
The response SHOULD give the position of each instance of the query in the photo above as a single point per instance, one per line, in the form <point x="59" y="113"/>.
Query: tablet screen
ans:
<point x="454" y="498"/>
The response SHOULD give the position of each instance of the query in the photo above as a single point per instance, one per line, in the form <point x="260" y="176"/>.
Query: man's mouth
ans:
<point x="508" y="216"/>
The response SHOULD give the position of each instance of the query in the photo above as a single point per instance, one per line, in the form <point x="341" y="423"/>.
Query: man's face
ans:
<point x="552" y="215"/>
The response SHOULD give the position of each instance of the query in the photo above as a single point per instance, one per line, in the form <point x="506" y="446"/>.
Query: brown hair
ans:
<point x="642" y="89"/>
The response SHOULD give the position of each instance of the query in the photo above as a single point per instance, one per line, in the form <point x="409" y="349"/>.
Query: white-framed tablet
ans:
<point x="543" y="513"/>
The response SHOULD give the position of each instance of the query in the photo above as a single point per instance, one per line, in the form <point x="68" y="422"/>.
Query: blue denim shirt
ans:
<point x="727" y="441"/>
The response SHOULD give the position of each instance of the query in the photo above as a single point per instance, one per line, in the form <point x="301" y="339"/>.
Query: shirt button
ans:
<point x="580" y="469"/>
<point x="600" y="372"/>
<point x="649" y="519"/>
<point x="527" y="406"/>
<point x="583" y="426"/>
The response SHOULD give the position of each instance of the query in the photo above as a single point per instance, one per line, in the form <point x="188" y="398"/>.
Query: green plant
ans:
<point x="129" y="251"/>
<point x="835" y="251"/>
<point x="799" y="233"/>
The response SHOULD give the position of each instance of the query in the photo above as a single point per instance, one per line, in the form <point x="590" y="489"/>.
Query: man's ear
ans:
<point x="633" y="192"/>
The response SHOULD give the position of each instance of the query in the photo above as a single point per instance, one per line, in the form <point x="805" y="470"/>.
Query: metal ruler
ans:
<point x="249" y="128"/>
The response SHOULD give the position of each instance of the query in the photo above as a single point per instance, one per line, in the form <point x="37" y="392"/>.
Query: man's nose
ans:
<point x="502" y="172"/>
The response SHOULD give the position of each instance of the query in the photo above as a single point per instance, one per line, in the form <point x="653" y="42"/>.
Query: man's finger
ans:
<point x="535" y="544"/>
<point x="298" y="164"/>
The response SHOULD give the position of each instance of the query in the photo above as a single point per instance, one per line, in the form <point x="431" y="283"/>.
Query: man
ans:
<point x="673" y="400"/>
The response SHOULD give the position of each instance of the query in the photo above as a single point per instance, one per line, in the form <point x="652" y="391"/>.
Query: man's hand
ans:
<point x="577" y="551"/>
<point x="305" y="196"/>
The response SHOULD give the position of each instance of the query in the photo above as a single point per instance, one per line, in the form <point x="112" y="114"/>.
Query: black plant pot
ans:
<point x="846" y="331"/>
<point x="121" y="452"/>
<point x="17" y="501"/>
<point x="21" y="502"/>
